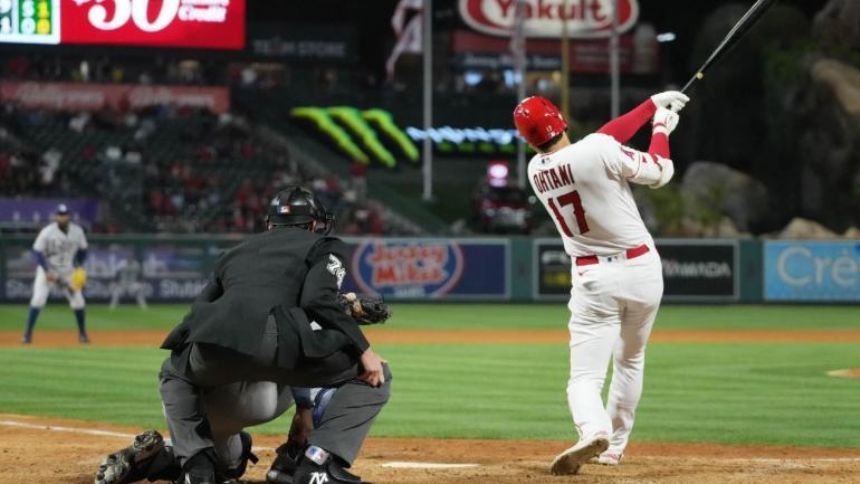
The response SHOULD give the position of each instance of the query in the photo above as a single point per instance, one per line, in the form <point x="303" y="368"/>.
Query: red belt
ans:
<point x="633" y="253"/>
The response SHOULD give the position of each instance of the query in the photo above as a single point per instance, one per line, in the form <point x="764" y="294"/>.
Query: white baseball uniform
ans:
<point x="59" y="249"/>
<point x="617" y="280"/>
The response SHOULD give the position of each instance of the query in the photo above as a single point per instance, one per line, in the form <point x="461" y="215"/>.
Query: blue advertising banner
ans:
<point x="430" y="268"/>
<point x="169" y="272"/>
<point x="812" y="271"/>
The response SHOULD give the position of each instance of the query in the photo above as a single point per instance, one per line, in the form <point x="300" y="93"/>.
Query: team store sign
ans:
<point x="216" y="24"/>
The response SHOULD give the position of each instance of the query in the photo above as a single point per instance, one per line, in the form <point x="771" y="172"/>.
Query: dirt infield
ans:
<point x="54" y="450"/>
<point x="59" y="339"/>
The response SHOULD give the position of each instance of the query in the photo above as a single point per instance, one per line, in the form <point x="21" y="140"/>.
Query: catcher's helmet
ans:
<point x="296" y="206"/>
<point x="538" y="120"/>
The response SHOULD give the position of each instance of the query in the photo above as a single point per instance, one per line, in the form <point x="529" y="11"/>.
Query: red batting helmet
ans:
<point x="538" y="120"/>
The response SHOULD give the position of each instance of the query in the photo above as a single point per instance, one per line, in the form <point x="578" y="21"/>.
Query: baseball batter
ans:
<point x="60" y="251"/>
<point x="617" y="280"/>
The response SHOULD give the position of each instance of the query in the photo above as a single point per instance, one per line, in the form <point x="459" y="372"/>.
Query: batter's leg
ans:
<point x="594" y="327"/>
<point x="643" y="301"/>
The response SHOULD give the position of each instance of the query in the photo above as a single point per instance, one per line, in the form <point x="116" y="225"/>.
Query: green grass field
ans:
<point x="756" y="393"/>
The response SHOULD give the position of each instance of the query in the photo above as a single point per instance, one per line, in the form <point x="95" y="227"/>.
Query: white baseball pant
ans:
<point x="42" y="289"/>
<point x="613" y="306"/>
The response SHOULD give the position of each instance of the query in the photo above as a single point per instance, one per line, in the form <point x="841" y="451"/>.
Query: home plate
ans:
<point x="427" y="465"/>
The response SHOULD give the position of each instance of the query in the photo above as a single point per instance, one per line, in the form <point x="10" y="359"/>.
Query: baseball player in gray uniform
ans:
<point x="127" y="282"/>
<point x="60" y="250"/>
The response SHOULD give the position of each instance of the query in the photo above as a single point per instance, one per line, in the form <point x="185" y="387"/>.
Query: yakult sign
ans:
<point x="544" y="18"/>
<point x="216" y="24"/>
<point x="179" y="23"/>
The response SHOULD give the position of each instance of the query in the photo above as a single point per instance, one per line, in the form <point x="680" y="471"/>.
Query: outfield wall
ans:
<point x="478" y="269"/>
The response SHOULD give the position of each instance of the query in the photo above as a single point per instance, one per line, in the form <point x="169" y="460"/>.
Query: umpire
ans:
<point x="270" y="313"/>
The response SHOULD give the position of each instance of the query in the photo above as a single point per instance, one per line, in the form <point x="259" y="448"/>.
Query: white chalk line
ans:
<point x="427" y="465"/>
<point x="431" y="465"/>
<point x="85" y="431"/>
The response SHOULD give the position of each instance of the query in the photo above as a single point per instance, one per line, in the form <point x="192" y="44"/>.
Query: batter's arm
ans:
<point x="654" y="168"/>
<point x="625" y="127"/>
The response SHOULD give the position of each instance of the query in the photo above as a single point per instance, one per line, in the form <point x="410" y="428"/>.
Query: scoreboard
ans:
<point x="30" y="21"/>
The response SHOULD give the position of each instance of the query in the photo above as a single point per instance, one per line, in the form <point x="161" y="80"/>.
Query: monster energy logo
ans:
<point x="372" y="135"/>
<point x="355" y="133"/>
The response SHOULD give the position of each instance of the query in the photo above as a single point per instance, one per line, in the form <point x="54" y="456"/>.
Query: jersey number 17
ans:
<point x="570" y="198"/>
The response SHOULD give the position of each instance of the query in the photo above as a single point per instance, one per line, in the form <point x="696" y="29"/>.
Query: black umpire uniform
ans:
<point x="270" y="314"/>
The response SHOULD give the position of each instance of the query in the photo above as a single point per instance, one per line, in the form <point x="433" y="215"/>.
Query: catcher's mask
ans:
<point x="298" y="207"/>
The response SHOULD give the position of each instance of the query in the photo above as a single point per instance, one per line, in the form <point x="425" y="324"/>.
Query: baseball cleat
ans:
<point x="27" y="339"/>
<point x="607" y="459"/>
<point x="569" y="461"/>
<point x="84" y="339"/>
<point x="318" y="466"/>
<point x="130" y="464"/>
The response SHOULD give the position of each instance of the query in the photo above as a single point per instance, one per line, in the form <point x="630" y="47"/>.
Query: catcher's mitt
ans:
<point x="78" y="279"/>
<point x="365" y="309"/>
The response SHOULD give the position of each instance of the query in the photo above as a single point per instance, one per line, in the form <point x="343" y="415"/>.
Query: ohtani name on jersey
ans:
<point x="553" y="178"/>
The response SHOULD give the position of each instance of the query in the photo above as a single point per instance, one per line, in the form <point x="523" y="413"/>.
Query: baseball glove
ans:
<point x="365" y="309"/>
<point x="78" y="279"/>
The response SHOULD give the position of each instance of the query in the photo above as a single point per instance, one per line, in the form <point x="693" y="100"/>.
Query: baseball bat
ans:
<point x="738" y="31"/>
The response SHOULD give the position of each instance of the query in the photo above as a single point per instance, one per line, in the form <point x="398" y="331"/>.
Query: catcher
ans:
<point x="60" y="250"/>
<point x="268" y="326"/>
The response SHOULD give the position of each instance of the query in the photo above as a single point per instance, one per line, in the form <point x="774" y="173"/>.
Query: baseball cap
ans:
<point x="62" y="209"/>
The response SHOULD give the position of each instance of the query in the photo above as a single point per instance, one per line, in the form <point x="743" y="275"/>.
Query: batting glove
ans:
<point x="673" y="100"/>
<point x="665" y="121"/>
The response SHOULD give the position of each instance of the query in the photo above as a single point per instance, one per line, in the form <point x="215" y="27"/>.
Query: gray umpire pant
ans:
<point x="225" y="392"/>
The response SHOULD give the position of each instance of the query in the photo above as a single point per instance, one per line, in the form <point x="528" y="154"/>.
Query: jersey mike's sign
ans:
<point x="216" y="24"/>
<point x="545" y="18"/>
<point x="430" y="268"/>
<point x="408" y="268"/>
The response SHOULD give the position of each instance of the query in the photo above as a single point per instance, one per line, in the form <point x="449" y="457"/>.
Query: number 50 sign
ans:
<point x="177" y="23"/>
<point x="216" y="24"/>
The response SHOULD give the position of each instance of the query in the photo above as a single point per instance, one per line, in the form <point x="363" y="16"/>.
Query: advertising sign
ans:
<point x="431" y="268"/>
<point x="67" y="96"/>
<point x="473" y="50"/>
<point x="545" y="18"/>
<point x="698" y="270"/>
<point x="812" y="271"/>
<point x="170" y="272"/>
<point x="212" y="24"/>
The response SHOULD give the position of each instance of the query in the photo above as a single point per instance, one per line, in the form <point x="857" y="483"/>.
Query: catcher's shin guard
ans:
<point x="146" y="458"/>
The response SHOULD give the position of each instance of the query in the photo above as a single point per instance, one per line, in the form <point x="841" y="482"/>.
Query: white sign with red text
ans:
<point x="586" y="19"/>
